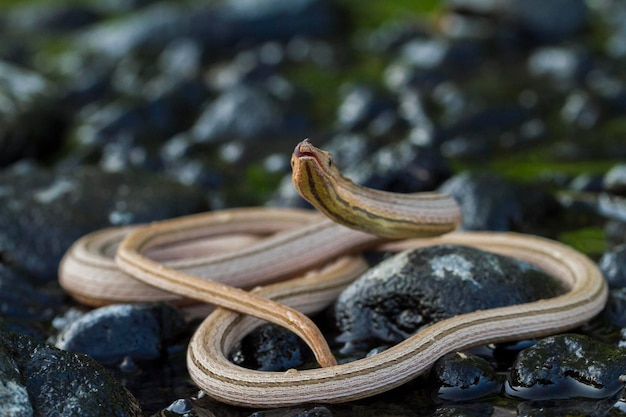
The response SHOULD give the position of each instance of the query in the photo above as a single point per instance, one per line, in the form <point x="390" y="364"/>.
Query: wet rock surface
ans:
<point x="43" y="212"/>
<point x="402" y="294"/>
<point x="271" y="348"/>
<point x="27" y="96"/>
<point x="103" y="333"/>
<point x="567" y="367"/>
<point x="463" y="377"/>
<point x="489" y="202"/>
<point x="41" y="380"/>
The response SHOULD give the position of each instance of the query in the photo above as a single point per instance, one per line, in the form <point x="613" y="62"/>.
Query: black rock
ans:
<point x="613" y="266"/>
<point x="402" y="168"/>
<point x="463" y="377"/>
<point x="361" y="105"/>
<point x="219" y="27"/>
<point x="615" y="180"/>
<point x="32" y="124"/>
<point x="22" y="299"/>
<point x="549" y="21"/>
<point x="271" y="348"/>
<point x="464" y="410"/>
<point x="311" y="411"/>
<point x="51" y="18"/>
<point x="567" y="408"/>
<point x="415" y="288"/>
<point x="615" y="309"/>
<point x="567" y="367"/>
<point x="490" y="202"/>
<point x="612" y="206"/>
<point x="43" y="212"/>
<point x="565" y="67"/>
<point x="110" y="334"/>
<point x="586" y="182"/>
<point x="41" y="380"/>
<point x="123" y="136"/>
<point x="246" y="113"/>
<point x="532" y="20"/>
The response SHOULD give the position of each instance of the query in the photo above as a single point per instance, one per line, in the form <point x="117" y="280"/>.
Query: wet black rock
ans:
<point x="549" y="22"/>
<point x="50" y="17"/>
<point x="104" y="334"/>
<point x="464" y="410"/>
<point x="311" y="411"/>
<point x="613" y="266"/>
<point x="401" y="168"/>
<point x="567" y="367"/>
<point x="531" y="20"/>
<point x="122" y="136"/>
<point x="567" y="408"/>
<point x="271" y="348"/>
<point x="219" y="27"/>
<point x="44" y="381"/>
<point x="587" y="183"/>
<point x="612" y="206"/>
<point x="22" y="299"/>
<point x="360" y="107"/>
<point x="615" y="309"/>
<point x="32" y="124"/>
<point x="490" y="202"/>
<point x="43" y="212"/>
<point x="415" y="288"/>
<point x="463" y="377"/>
<point x="564" y="67"/>
<point x="476" y="134"/>
<point x="615" y="179"/>
<point x="246" y="113"/>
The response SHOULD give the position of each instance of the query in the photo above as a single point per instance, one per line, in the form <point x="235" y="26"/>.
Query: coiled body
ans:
<point x="301" y="241"/>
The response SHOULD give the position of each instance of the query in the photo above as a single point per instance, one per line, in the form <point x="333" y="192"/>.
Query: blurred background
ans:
<point x="123" y="111"/>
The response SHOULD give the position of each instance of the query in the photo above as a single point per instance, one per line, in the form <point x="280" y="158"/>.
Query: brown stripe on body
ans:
<point x="320" y="202"/>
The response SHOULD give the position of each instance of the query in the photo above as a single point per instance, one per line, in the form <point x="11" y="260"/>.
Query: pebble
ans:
<point x="103" y="333"/>
<point x="271" y="348"/>
<point x="567" y="367"/>
<point x="463" y="377"/>
<point x="415" y="288"/>
<point x="40" y="380"/>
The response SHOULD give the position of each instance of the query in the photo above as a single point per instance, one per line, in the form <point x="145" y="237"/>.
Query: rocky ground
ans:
<point x="127" y="111"/>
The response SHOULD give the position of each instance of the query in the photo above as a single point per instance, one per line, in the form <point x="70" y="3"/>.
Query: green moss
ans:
<point x="369" y="15"/>
<point x="590" y="241"/>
